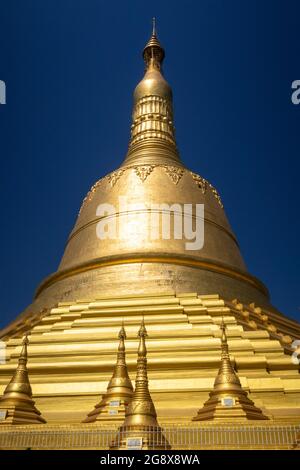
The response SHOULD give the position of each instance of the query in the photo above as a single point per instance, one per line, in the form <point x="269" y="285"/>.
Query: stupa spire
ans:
<point x="119" y="390"/>
<point x="228" y="400"/>
<point x="17" y="403"/>
<point x="226" y="376"/>
<point x="152" y="130"/>
<point x="153" y="52"/>
<point x="141" y="419"/>
<point x="141" y="409"/>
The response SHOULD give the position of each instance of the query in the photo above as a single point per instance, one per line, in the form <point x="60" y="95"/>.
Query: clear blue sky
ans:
<point x="70" y="68"/>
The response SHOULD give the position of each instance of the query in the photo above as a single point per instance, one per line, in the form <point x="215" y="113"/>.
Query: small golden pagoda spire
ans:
<point x="141" y="410"/>
<point x="140" y="419"/>
<point x="16" y="404"/>
<point x="153" y="52"/>
<point x="228" y="400"/>
<point x="152" y="131"/>
<point x="119" y="390"/>
<point x="226" y="377"/>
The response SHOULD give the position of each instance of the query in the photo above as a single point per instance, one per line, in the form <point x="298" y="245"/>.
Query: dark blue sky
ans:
<point x="70" y="68"/>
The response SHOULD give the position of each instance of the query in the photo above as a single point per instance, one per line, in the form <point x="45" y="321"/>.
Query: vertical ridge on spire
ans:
<point x="16" y="402"/>
<point x="119" y="390"/>
<point x="228" y="400"/>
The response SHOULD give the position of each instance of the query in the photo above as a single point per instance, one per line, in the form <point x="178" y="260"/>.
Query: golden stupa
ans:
<point x="119" y="392"/>
<point x="227" y="400"/>
<point x="16" y="404"/>
<point x="140" y="421"/>
<point x="183" y="295"/>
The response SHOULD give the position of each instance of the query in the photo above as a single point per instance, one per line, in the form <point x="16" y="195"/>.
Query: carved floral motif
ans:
<point x="143" y="171"/>
<point x="115" y="176"/>
<point x="174" y="172"/>
<point x="90" y="194"/>
<point x="201" y="182"/>
<point x="216" y="194"/>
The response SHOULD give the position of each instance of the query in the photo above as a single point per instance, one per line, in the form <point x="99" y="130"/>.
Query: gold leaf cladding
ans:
<point x="114" y="176"/>
<point x="226" y="378"/>
<point x="141" y="407"/>
<point x="143" y="171"/>
<point x="174" y="172"/>
<point x="201" y="182"/>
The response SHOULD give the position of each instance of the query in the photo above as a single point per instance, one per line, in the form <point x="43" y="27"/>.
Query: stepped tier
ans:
<point x="72" y="354"/>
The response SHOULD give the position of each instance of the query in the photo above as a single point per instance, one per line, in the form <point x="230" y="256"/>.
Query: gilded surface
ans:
<point x="227" y="386"/>
<point x="140" y="415"/>
<point x="72" y="354"/>
<point x="115" y="401"/>
<point x="16" y="402"/>
<point x="77" y="312"/>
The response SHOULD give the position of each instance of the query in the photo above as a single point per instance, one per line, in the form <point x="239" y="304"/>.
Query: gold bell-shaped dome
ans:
<point x="151" y="174"/>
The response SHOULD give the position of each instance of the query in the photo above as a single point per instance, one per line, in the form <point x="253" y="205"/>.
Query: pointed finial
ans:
<point x="25" y="339"/>
<point x="121" y="347"/>
<point x="122" y="332"/>
<point x="23" y="355"/>
<point x="223" y="329"/>
<point x="153" y="52"/>
<point x="142" y="331"/>
<point x="153" y="26"/>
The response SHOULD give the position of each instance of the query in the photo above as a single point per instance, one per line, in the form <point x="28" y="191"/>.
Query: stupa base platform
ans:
<point x="72" y="355"/>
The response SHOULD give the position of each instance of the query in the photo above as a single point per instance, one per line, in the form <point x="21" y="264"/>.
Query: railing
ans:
<point x="178" y="437"/>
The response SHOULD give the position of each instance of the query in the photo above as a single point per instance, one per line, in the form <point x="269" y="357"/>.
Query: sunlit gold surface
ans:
<point x="119" y="391"/>
<point x="72" y="354"/>
<point x="17" y="403"/>
<point x="140" y="415"/>
<point x="152" y="173"/>
<point x="77" y="311"/>
<point x="227" y="386"/>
